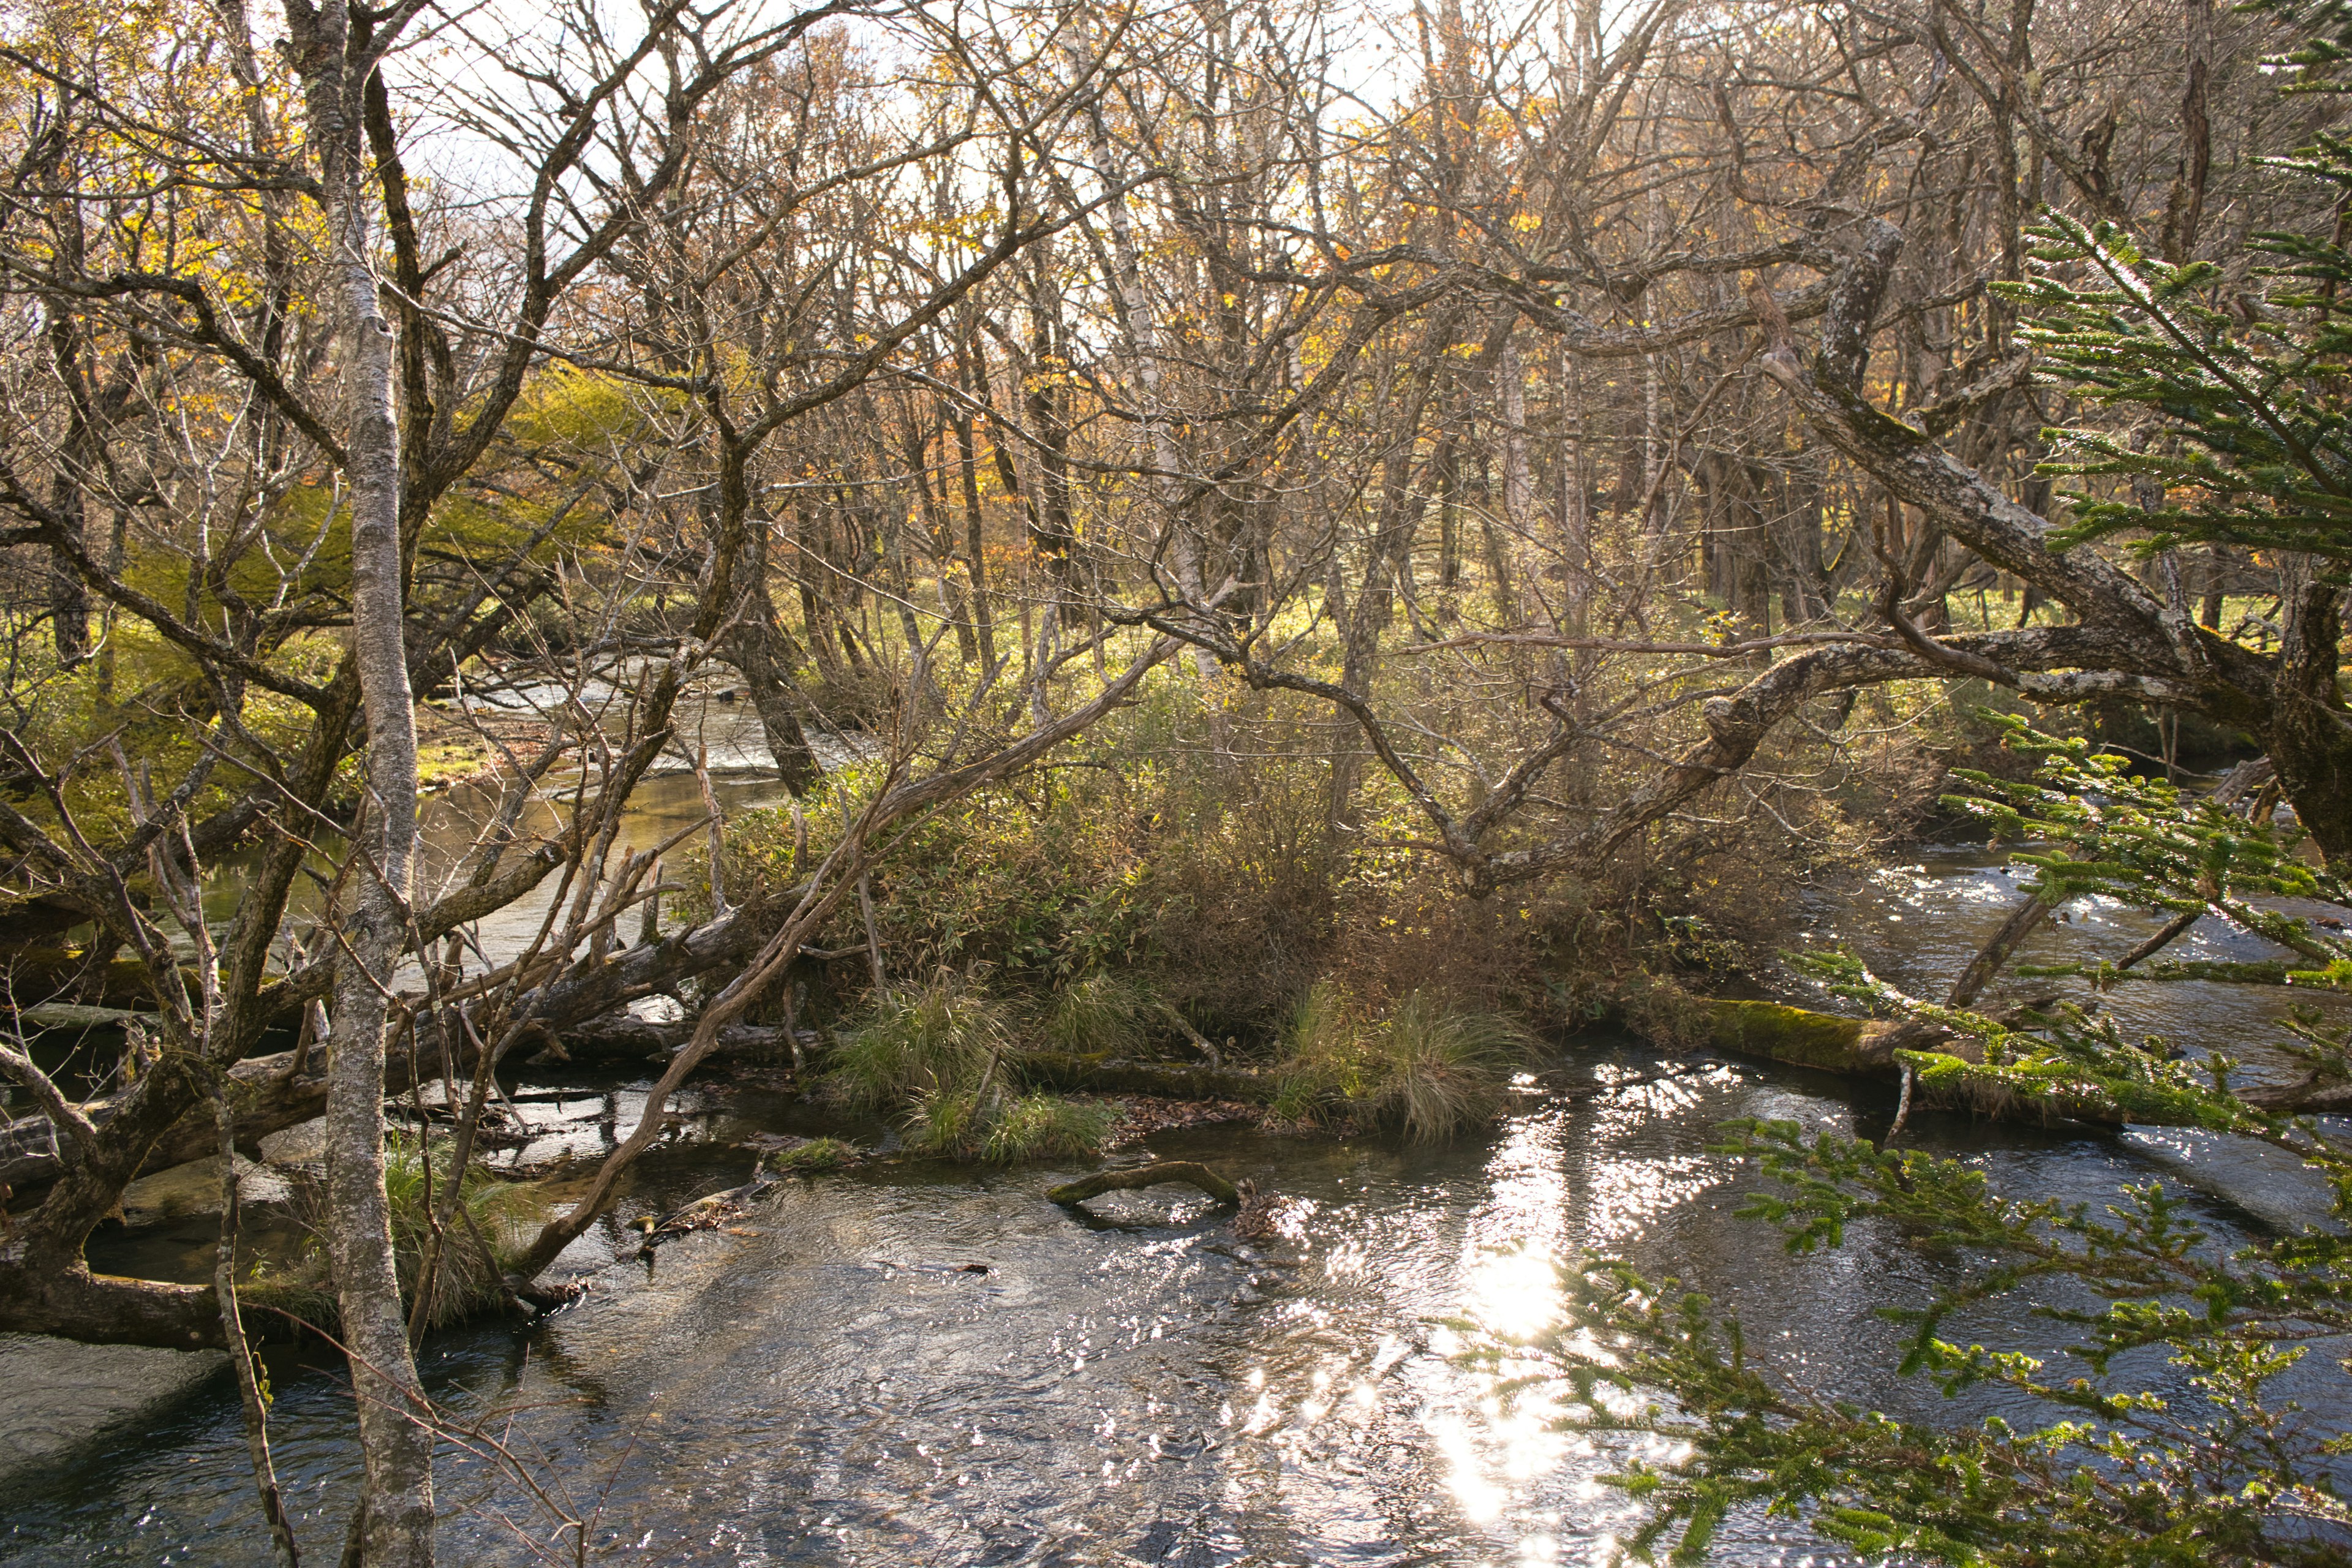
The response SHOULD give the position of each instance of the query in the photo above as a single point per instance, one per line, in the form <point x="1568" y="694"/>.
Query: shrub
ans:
<point x="1144" y="872"/>
<point x="1659" y="1010"/>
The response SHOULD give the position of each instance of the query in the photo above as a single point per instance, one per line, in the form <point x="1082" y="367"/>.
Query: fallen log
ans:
<point x="38" y="974"/>
<point x="623" y="1038"/>
<point x="1865" y="1048"/>
<point x="264" y="1098"/>
<point x="1169" y="1080"/>
<point x="1190" y="1172"/>
<point x="267" y="1099"/>
<point x="1802" y="1039"/>
<point x="266" y="1095"/>
<point x="703" y="1214"/>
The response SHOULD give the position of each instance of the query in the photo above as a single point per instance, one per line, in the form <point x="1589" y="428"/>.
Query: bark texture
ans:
<point x="395" y="1526"/>
<point x="1188" y="1173"/>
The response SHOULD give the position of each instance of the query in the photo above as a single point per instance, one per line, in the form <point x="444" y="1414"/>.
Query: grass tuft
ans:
<point x="486" y="1234"/>
<point x="816" y="1154"/>
<point x="1448" y="1067"/>
<point x="1426" y="1067"/>
<point x="1102" y="1013"/>
<point x="969" y="1124"/>
<point x="919" y="1041"/>
<point x="1047" y="1126"/>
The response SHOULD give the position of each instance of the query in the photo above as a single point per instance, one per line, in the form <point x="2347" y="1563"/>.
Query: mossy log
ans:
<point x="1190" y="1172"/>
<point x="1865" y="1048"/>
<point x="266" y="1095"/>
<point x="1802" y="1039"/>
<point x="39" y="974"/>
<point x="1172" y="1080"/>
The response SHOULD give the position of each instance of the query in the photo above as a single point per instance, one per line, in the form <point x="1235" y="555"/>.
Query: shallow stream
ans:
<point x="916" y="1363"/>
<point x="825" y="1382"/>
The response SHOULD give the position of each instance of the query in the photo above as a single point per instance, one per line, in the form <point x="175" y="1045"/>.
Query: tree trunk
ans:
<point x="1864" y="1047"/>
<point x="753" y="643"/>
<point x="2310" y="734"/>
<point x="2141" y="649"/>
<point x="396" y="1500"/>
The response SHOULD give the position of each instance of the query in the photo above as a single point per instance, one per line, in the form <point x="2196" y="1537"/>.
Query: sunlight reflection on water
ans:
<point x="825" y="1385"/>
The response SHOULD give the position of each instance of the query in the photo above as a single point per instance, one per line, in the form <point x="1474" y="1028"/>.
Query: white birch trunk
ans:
<point x="1518" y="485"/>
<point x="1575" y="519"/>
<point x="398" y="1449"/>
<point x="1141" y="331"/>
<point x="394" y="1528"/>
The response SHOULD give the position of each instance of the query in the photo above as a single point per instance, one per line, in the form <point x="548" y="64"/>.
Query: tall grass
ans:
<point x="815" y="1154"/>
<point x="1425" y="1067"/>
<point x="1102" y="1013"/>
<point x="919" y="1040"/>
<point x="483" y="1233"/>
<point x="943" y="1055"/>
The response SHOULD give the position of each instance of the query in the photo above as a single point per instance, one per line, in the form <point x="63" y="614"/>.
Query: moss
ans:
<point x="817" y="1154"/>
<point x="1793" y="1035"/>
<point x="440" y="764"/>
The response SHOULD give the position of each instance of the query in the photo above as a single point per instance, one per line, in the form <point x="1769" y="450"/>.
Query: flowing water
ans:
<point x="916" y="1363"/>
<point x="826" y="1383"/>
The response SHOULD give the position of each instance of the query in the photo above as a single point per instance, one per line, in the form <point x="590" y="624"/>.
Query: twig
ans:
<point x="240" y="1353"/>
<point x="873" y="938"/>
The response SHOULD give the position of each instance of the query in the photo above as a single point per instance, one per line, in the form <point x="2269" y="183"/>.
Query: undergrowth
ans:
<point x="1110" y="1014"/>
<point x="486" y="1234"/>
<point x="1144" y="891"/>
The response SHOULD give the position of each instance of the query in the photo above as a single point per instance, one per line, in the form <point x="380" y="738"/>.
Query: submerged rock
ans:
<point x="60" y="1395"/>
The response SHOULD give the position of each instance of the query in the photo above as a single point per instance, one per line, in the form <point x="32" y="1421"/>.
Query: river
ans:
<point x="918" y="1362"/>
